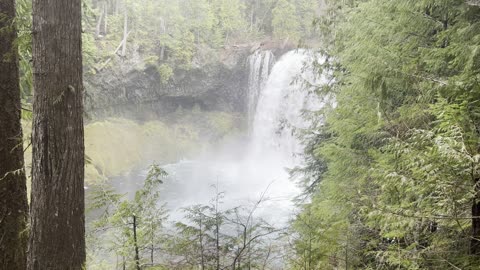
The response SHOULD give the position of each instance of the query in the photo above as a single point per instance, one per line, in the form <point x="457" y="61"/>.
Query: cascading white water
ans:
<point x="259" y="65"/>
<point x="245" y="169"/>
<point x="281" y="102"/>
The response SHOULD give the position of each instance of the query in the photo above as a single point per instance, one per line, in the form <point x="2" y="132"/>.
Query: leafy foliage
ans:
<point x="133" y="225"/>
<point x="396" y="164"/>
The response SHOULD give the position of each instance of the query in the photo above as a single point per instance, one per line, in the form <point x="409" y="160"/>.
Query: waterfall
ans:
<point x="285" y="96"/>
<point x="251" y="171"/>
<point x="259" y="64"/>
<point x="247" y="167"/>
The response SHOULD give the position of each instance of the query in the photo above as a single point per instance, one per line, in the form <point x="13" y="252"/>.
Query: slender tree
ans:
<point x="57" y="207"/>
<point x="125" y="31"/>
<point x="13" y="192"/>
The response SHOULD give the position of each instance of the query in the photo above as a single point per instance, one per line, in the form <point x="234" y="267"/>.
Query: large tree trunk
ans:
<point x="13" y="192"/>
<point x="57" y="206"/>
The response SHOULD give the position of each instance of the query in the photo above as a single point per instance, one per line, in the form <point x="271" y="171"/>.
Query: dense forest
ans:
<point x="392" y="171"/>
<point x="239" y="134"/>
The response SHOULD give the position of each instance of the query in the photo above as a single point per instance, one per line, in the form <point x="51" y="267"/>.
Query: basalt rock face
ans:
<point x="130" y="88"/>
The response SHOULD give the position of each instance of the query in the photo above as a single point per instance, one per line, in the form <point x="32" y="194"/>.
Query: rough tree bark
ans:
<point x="13" y="192"/>
<point x="57" y="202"/>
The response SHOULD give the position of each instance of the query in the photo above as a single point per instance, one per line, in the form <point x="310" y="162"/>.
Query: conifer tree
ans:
<point x="13" y="193"/>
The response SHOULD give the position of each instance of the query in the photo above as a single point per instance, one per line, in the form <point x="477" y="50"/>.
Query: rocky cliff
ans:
<point x="130" y="87"/>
